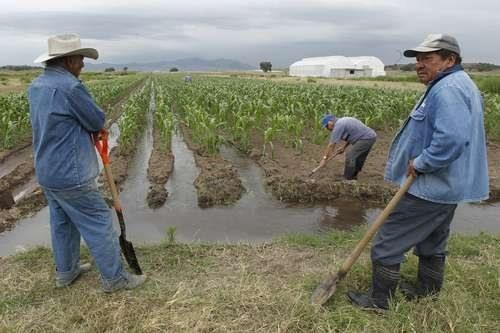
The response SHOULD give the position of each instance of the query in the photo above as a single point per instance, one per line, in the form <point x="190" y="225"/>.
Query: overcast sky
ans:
<point x="250" y="31"/>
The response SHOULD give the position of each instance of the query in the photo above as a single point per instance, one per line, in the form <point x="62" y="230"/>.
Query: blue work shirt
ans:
<point x="445" y="137"/>
<point x="63" y="116"/>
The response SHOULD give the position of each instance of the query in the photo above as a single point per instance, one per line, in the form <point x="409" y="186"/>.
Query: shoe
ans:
<point x="83" y="268"/>
<point x="384" y="282"/>
<point x="430" y="278"/>
<point x="128" y="281"/>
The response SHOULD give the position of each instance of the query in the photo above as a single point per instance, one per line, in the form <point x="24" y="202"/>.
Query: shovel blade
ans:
<point x="129" y="254"/>
<point x="325" y="290"/>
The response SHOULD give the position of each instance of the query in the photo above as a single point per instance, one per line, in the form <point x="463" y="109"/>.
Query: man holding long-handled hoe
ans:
<point x="63" y="116"/>
<point x="441" y="144"/>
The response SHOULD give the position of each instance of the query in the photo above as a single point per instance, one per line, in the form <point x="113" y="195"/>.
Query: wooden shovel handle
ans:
<point x="346" y="266"/>
<point x="114" y="193"/>
<point x="101" y="145"/>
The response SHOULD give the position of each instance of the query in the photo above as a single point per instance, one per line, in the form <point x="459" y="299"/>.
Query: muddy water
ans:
<point x="256" y="217"/>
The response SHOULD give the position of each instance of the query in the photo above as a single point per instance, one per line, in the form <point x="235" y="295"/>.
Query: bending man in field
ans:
<point x="442" y="144"/>
<point x="352" y="132"/>
<point x="64" y="117"/>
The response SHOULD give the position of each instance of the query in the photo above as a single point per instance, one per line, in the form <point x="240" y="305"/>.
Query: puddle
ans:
<point x="257" y="217"/>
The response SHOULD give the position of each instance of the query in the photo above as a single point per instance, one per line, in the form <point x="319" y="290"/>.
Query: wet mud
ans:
<point x="160" y="167"/>
<point x="21" y="174"/>
<point x="25" y="207"/>
<point x="287" y="173"/>
<point x="218" y="182"/>
<point x="494" y="170"/>
<point x="5" y="154"/>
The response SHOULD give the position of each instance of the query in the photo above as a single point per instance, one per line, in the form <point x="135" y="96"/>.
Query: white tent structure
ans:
<point x="338" y="67"/>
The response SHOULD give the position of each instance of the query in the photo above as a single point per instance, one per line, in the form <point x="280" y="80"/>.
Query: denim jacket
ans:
<point x="445" y="137"/>
<point x="63" y="115"/>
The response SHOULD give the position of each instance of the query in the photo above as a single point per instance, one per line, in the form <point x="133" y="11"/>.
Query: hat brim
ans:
<point x="412" y="53"/>
<point x="86" y="52"/>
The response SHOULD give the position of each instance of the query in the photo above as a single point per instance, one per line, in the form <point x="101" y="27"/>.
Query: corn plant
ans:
<point x="133" y="119"/>
<point x="14" y="119"/>
<point x="164" y="118"/>
<point x="289" y="112"/>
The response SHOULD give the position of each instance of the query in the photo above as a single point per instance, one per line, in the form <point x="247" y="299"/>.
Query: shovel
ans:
<point x="317" y="168"/>
<point x="101" y="145"/>
<point x="327" y="288"/>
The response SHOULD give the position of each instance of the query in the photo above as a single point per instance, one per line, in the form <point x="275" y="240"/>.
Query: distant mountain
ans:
<point x="187" y="64"/>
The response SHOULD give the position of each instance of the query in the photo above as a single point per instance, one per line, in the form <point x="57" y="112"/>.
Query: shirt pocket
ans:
<point x="418" y="114"/>
<point x="417" y="124"/>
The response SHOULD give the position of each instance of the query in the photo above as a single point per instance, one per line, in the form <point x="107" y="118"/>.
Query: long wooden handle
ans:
<point x="346" y="266"/>
<point x="112" y="187"/>
<point x="116" y="200"/>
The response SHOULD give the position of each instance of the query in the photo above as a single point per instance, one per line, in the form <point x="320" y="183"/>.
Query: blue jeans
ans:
<point x="83" y="211"/>
<point x="417" y="223"/>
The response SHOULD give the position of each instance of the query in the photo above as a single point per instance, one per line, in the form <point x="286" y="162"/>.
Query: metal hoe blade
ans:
<point x="325" y="290"/>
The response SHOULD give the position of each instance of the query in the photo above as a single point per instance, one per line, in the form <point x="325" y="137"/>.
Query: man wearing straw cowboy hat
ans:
<point x="63" y="117"/>
<point x="442" y="144"/>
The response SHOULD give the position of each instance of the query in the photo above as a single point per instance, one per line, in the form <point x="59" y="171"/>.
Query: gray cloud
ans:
<point x="280" y="31"/>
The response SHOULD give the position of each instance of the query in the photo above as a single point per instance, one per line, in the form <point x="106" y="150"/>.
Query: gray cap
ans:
<point x="435" y="42"/>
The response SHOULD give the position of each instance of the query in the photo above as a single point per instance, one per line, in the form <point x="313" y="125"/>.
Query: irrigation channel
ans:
<point x="257" y="217"/>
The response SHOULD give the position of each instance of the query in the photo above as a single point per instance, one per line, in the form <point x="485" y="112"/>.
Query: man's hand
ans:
<point x="321" y="164"/>
<point x="341" y="150"/>
<point x="101" y="135"/>
<point x="411" y="170"/>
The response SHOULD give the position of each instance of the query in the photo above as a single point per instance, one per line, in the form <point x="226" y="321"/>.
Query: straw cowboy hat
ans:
<point x="66" y="45"/>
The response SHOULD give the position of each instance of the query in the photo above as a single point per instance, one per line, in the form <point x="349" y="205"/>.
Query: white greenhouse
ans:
<point x="338" y="67"/>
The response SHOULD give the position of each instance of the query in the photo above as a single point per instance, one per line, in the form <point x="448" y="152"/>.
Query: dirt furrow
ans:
<point x="287" y="173"/>
<point x="218" y="182"/>
<point x="160" y="166"/>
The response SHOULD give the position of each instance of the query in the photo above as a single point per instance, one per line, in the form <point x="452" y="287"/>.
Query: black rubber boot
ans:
<point x="384" y="282"/>
<point x="429" y="278"/>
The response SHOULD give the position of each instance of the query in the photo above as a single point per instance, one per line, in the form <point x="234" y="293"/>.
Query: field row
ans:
<point x="218" y="109"/>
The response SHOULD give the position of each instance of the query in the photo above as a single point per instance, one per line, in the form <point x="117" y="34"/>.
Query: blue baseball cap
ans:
<point x="326" y="119"/>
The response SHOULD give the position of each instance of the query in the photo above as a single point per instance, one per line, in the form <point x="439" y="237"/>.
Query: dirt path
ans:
<point x="218" y="182"/>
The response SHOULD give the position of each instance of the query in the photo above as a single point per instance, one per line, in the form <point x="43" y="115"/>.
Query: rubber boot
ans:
<point x="429" y="278"/>
<point x="384" y="282"/>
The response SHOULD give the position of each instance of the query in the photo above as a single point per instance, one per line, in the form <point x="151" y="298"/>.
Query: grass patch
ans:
<point x="243" y="288"/>
<point x="488" y="83"/>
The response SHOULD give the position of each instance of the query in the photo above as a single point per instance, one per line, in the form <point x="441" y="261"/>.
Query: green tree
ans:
<point x="266" y="66"/>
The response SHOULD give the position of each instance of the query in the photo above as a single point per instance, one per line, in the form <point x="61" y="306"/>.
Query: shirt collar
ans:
<point x="452" y="69"/>
<point x="62" y="70"/>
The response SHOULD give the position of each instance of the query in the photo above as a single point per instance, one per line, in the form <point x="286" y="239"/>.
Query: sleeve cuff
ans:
<point x="419" y="165"/>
